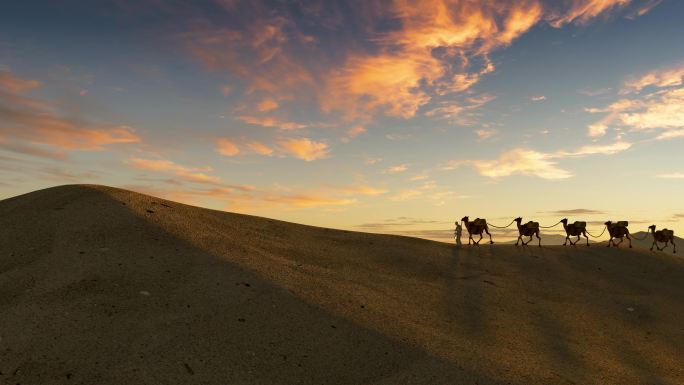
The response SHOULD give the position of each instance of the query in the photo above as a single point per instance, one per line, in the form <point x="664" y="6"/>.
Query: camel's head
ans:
<point x="652" y="227"/>
<point x="608" y="223"/>
<point x="518" y="219"/>
<point x="564" y="221"/>
<point x="464" y="219"/>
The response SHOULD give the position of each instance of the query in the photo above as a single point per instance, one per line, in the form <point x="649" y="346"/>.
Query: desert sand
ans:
<point x="106" y="286"/>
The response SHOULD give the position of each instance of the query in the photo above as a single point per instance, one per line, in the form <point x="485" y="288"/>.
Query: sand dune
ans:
<point x="106" y="286"/>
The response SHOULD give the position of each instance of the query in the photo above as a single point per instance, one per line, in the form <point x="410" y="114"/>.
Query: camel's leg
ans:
<point x="618" y="244"/>
<point x="529" y="240"/>
<point x="470" y="238"/>
<point x="577" y="240"/>
<point x="585" y="236"/>
<point x="519" y="239"/>
<point x="630" y="241"/>
<point x="538" y="237"/>
<point x="610" y="242"/>
<point x="674" y="246"/>
<point x="490" y="236"/>
<point x="567" y="238"/>
<point x="654" y="244"/>
<point x="478" y="241"/>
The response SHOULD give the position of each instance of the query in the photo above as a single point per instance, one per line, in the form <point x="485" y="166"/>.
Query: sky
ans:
<point x="384" y="116"/>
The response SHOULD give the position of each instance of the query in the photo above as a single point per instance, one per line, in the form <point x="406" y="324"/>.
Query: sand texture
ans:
<point x="106" y="286"/>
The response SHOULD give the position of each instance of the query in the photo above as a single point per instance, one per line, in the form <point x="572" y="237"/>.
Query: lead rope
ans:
<point x="606" y="227"/>
<point x="502" y="227"/>
<point x="548" y="227"/>
<point x="597" y="236"/>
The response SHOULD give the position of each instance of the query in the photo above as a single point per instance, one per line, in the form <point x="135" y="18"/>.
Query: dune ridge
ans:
<point x="108" y="286"/>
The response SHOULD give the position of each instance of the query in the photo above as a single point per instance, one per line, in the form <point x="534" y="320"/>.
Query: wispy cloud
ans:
<point x="662" y="77"/>
<point x="267" y="104"/>
<point x="661" y="109"/>
<point x="577" y="212"/>
<point x="353" y="133"/>
<point x="305" y="149"/>
<point x="539" y="98"/>
<point x="271" y="122"/>
<point x="484" y="134"/>
<point x="583" y="11"/>
<point x="521" y="161"/>
<point x="188" y="174"/>
<point x="260" y="148"/>
<point x="517" y="161"/>
<point x="407" y="194"/>
<point x="363" y="190"/>
<point x="672" y="175"/>
<point x="227" y="147"/>
<point x="415" y="53"/>
<point x="396" y="169"/>
<point x="588" y="91"/>
<point x="38" y="122"/>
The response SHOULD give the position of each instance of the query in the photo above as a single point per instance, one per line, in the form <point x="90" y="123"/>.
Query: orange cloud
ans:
<point x="406" y="195"/>
<point x="582" y="11"/>
<point x="406" y="73"/>
<point x="29" y="149"/>
<point x="260" y="148"/>
<point x="667" y="77"/>
<point x="483" y="134"/>
<point x="307" y="200"/>
<point x="259" y="52"/>
<point x="267" y="104"/>
<point x="363" y="190"/>
<point x="271" y="122"/>
<point x="434" y="48"/>
<point x="15" y="85"/>
<point x="226" y="147"/>
<point x="305" y="149"/>
<point x="182" y="172"/>
<point x="353" y="133"/>
<point x="396" y="169"/>
<point x="37" y="122"/>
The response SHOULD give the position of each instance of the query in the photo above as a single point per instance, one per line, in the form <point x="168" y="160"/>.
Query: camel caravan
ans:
<point x="617" y="232"/>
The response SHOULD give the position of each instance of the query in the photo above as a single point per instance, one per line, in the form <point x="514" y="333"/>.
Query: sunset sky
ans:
<point x="381" y="116"/>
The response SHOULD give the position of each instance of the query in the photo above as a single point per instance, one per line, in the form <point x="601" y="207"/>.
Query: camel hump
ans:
<point x="480" y="222"/>
<point x="532" y="225"/>
<point x="622" y="223"/>
<point x="669" y="233"/>
<point x="581" y="224"/>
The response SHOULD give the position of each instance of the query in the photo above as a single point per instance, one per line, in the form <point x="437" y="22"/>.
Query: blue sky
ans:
<point x="389" y="116"/>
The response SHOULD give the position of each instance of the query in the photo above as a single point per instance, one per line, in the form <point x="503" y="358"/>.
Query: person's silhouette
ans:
<point x="457" y="233"/>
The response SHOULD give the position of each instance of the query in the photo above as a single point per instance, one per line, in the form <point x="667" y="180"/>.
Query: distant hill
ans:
<point x="100" y="285"/>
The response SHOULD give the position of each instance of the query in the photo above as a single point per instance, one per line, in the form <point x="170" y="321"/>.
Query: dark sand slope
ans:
<point x="106" y="286"/>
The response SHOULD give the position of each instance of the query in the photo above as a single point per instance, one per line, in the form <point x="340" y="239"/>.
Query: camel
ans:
<point x="574" y="229"/>
<point x="528" y="230"/>
<point x="665" y="236"/>
<point x="618" y="230"/>
<point x="476" y="227"/>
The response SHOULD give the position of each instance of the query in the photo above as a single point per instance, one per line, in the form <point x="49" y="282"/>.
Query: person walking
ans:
<point x="457" y="233"/>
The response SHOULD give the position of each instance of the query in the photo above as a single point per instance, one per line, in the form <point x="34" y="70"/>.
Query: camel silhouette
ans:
<point x="664" y="236"/>
<point x="574" y="229"/>
<point x="618" y="231"/>
<point x="529" y="229"/>
<point x="478" y="226"/>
